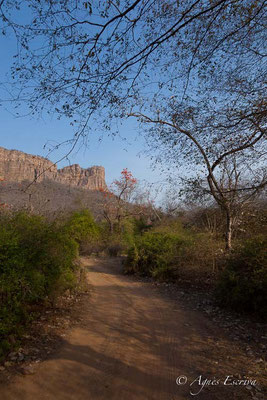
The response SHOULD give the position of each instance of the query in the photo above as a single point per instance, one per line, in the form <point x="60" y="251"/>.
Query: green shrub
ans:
<point x="132" y="261"/>
<point x="37" y="264"/>
<point x="117" y="242"/>
<point x="140" y="225"/>
<point x="82" y="227"/>
<point x="243" y="283"/>
<point x="156" y="254"/>
<point x="169" y="251"/>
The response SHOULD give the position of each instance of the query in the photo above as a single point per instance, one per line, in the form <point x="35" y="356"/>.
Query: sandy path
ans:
<point x="132" y="345"/>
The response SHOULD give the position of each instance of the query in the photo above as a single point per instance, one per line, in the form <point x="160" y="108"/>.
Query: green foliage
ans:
<point x="140" y="226"/>
<point x="120" y="240"/>
<point x="37" y="264"/>
<point x="243" y="283"/>
<point x="156" y="254"/>
<point x="169" y="251"/>
<point x="172" y="226"/>
<point x="82" y="227"/>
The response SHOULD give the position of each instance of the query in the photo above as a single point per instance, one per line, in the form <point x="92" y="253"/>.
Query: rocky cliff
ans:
<point x="16" y="166"/>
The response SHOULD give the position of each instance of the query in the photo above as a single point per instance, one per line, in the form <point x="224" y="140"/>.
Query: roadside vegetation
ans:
<point x="39" y="256"/>
<point x="38" y="263"/>
<point x="188" y="249"/>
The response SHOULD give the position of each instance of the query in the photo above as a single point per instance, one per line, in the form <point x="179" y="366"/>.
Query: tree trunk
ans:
<point x="229" y="231"/>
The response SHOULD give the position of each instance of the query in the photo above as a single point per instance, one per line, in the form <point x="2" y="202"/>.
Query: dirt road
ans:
<point x="132" y="344"/>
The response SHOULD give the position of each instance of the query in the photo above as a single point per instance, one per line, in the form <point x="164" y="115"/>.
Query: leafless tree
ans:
<point x="226" y="151"/>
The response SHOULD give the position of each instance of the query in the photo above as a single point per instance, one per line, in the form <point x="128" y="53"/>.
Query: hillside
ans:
<point x="49" y="198"/>
<point x="34" y="183"/>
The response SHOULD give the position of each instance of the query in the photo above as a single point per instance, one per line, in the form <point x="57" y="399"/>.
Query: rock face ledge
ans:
<point x="16" y="166"/>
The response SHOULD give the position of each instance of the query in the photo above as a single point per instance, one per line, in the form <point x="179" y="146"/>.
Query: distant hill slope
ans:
<point x="50" y="198"/>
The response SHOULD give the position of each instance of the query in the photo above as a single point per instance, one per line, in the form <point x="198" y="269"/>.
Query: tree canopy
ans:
<point x="193" y="70"/>
<point x="102" y="59"/>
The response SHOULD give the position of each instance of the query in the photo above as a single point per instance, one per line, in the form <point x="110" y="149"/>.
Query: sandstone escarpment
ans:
<point x="74" y="175"/>
<point x="16" y="166"/>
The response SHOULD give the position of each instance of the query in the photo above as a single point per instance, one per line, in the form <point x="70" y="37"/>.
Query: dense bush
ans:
<point x="157" y="254"/>
<point x="171" y="251"/>
<point x="118" y="242"/>
<point x="82" y="227"/>
<point x="115" y="244"/>
<point x="243" y="283"/>
<point x="37" y="263"/>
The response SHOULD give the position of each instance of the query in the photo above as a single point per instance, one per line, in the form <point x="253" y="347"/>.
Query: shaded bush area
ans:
<point x="243" y="282"/>
<point x="156" y="254"/>
<point x="169" y="251"/>
<point x="38" y="263"/>
<point x="122" y="238"/>
<point x="82" y="227"/>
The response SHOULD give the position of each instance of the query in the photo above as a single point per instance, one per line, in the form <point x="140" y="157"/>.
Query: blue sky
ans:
<point x="30" y="135"/>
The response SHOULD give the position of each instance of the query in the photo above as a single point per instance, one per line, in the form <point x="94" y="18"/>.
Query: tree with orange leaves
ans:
<point x="117" y="200"/>
<point x="124" y="200"/>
